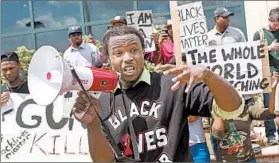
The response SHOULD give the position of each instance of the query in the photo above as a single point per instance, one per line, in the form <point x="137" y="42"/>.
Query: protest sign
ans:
<point x="176" y="32"/>
<point x="188" y="26"/>
<point x="142" y="20"/>
<point x="33" y="133"/>
<point x="193" y="28"/>
<point x="245" y="65"/>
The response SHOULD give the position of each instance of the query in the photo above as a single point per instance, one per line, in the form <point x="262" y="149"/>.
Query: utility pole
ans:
<point x="87" y="16"/>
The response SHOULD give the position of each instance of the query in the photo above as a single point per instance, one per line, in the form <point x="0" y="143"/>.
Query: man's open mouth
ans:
<point x="129" y="69"/>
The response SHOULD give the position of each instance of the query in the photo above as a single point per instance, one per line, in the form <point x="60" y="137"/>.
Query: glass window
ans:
<point x="97" y="31"/>
<point x="155" y="6"/>
<point x="51" y="14"/>
<point x="11" y="43"/>
<point x="179" y="3"/>
<point x="15" y="16"/>
<point x="236" y="20"/>
<point x="106" y="10"/>
<point x="217" y="3"/>
<point x="57" y="39"/>
<point x="161" y="20"/>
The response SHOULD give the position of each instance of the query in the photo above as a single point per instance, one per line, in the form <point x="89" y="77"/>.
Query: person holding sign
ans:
<point x="223" y="33"/>
<point x="271" y="34"/>
<point x="233" y="141"/>
<point x="147" y="120"/>
<point x="11" y="70"/>
<point x="143" y="21"/>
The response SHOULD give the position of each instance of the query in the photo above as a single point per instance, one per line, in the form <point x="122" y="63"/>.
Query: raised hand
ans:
<point x="4" y="98"/>
<point x="274" y="80"/>
<point x="187" y="74"/>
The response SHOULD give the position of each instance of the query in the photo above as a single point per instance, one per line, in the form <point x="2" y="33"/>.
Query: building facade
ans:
<point x="37" y="23"/>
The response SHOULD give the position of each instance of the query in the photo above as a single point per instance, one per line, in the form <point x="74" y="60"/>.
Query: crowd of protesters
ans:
<point x="123" y="51"/>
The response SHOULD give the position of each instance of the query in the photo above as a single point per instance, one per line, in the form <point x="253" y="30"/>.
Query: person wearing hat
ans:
<point x="118" y="21"/>
<point x="81" y="53"/>
<point x="156" y="105"/>
<point x="223" y="33"/>
<point x="11" y="70"/>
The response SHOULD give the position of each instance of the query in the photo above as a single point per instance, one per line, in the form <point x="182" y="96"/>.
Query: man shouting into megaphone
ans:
<point x="147" y="120"/>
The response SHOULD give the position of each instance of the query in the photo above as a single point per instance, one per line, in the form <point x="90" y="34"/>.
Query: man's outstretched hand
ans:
<point x="184" y="74"/>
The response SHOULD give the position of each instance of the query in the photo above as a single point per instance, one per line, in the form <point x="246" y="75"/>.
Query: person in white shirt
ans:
<point x="223" y="33"/>
<point x="81" y="53"/>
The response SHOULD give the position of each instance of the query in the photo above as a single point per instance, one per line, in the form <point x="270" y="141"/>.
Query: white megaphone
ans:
<point x="49" y="76"/>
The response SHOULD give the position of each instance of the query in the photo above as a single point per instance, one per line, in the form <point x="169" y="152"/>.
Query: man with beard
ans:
<point x="11" y="70"/>
<point x="157" y="105"/>
<point x="81" y="53"/>
<point x="223" y="33"/>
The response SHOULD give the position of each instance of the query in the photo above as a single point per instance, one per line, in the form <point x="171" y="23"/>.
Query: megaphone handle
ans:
<point x="119" y="154"/>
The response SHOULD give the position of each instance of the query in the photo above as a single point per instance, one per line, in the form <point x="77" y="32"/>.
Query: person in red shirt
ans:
<point x="166" y="44"/>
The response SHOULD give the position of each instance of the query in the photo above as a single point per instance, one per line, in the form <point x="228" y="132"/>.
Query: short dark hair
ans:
<point x="120" y="31"/>
<point x="274" y="14"/>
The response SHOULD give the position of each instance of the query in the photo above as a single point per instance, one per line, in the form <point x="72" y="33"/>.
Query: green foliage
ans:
<point x="159" y="28"/>
<point x="89" y="39"/>
<point x="149" y="66"/>
<point x="25" y="57"/>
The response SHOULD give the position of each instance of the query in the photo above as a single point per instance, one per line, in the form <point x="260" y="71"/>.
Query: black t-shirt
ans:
<point x="159" y="117"/>
<point x="22" y="88"/>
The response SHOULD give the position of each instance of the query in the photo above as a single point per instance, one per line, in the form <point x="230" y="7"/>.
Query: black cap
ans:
<point x="222" y="12"/>
<point x="9" y="56"/>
